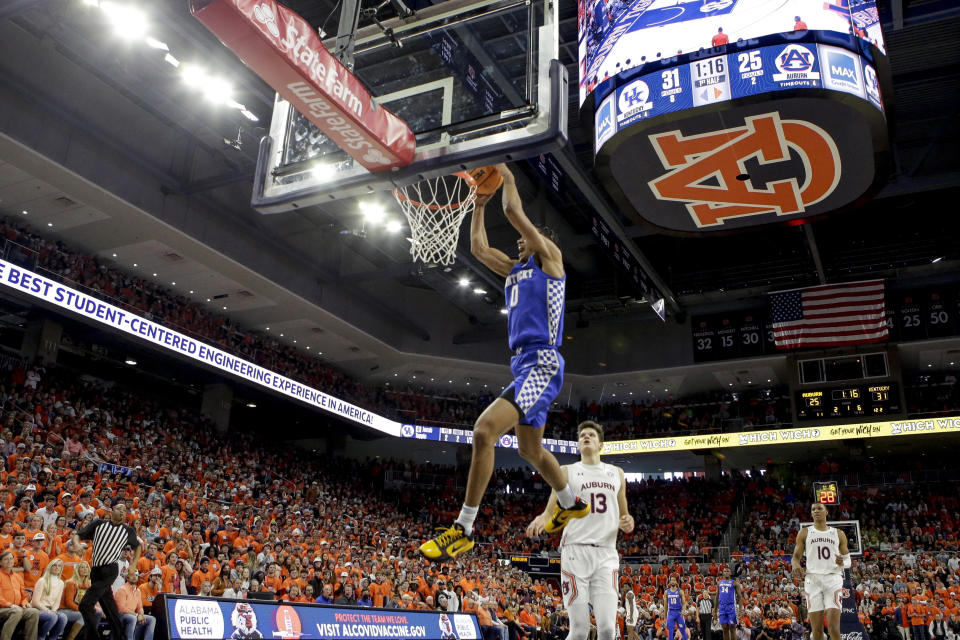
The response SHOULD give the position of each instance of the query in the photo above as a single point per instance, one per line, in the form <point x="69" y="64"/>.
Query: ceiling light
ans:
<point x="194" y="76"/>
<point x="414" y="377"/>
<point x="503" y="310"/>
<point x="394" y="226"/>
<point x="936" y="260"/>
<point x="128" y="22"/>
<point x="268" y="328"/>
<point x="170" y="60"/>
<point x="153" y="43"/>
<point x="25" y="212"/>
<point x="450" y="381"/>
<point x="929" y="365"/>
<point x="479" y="291"/>
<point x="249" y="115"/>
<point x="131" y="362"/>
<point x="191" y="290"/>
<point x="154" y="275"/>
<point x="208" y="299"/>
<point x="431" y="379"/>
<point x="114" y="255"/>
<point x="49" y="224"/>
<point x="372" y="212"/>
<point x="173" y="284"/>
<point x="319" y="353"/>
<point x="768" y="379"/>
<point x="308" y="348"/>
<point x="135" y="264"/>
<point x="731" y="384"/>
<point x="281" y="335"/>
<point x="218" y="91"/>
<point x="252" y="405"/>
<point x="294" y="342"/>
<point x="463" y="282"/>
<point x="224" y="308"/>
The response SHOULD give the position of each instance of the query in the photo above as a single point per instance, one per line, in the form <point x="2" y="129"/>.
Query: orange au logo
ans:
<point x="720" y="155"/>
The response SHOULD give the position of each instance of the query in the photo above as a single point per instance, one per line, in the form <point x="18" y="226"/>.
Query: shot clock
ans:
<point x="827" y="492"/>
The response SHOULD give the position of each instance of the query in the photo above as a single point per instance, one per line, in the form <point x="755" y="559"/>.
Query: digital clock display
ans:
<point x="826" y="492"/>
<point x="848" y="401"/>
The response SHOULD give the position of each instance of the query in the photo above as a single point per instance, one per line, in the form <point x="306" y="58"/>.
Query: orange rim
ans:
<point x="471" y="195"/>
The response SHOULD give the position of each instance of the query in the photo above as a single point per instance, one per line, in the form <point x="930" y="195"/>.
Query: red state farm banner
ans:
<point x="284" y="50"/>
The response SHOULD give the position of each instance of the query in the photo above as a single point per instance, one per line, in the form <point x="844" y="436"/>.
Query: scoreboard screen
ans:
<point x="848" y="401"/>
<point x="617" y="36"/>
<point x="827" y="492"/>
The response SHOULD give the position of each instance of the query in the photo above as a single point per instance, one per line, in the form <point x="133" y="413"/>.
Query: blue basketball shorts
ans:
<point x="727" y="615"/>
<point x="537" y="379"/>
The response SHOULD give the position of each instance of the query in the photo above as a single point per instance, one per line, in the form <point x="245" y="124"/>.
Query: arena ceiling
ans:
<point x="154" y="174"/>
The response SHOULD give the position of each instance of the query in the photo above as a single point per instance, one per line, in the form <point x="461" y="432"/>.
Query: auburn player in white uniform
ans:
<point x="589" y="562"/>
<point x="827" y="556"/>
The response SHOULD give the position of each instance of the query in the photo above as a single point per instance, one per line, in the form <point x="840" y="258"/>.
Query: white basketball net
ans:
<point x="435" y="209"/>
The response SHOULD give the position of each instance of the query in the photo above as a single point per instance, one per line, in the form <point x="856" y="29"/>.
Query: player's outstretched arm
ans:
<point x="537" y="526"/>
<point x="494" y="259"/>
<point x="798" y="554"/>
<point x="550" y="256"/>
<point x="626" y="520"/>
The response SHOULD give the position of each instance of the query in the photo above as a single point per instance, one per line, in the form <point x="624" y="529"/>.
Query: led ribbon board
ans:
<point x="802" y="435"/>
<point x="215" y="619"/>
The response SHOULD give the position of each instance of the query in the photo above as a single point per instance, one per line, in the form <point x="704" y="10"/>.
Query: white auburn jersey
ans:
<point x="822" y="549"/>
<point x="598" y="486"/>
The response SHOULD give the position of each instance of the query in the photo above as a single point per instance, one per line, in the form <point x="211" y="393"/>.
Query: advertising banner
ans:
<point x="284" y="50"/>
<point x="900" y="428"/>
<point x="191" y="618"/>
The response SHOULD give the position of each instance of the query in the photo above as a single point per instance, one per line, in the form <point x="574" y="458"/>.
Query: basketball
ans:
<point x="488" y="180"/>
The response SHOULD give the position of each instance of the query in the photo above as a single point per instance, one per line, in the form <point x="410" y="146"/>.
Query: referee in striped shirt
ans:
<point x="110" y="538"/>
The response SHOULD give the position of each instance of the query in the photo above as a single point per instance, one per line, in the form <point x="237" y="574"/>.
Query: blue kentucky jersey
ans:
<point x="674" y="600"/>
<point x="726" y="593"/>
<point x="535" y="304"/>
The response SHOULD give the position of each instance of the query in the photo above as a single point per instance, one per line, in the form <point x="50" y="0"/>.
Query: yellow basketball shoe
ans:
<point x="562" y="516"/>
<point x="448" y="545"/>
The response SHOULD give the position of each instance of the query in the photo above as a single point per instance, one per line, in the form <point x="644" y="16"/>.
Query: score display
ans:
<point x="853" y="400"/>
<point x="826" y="492"/>
<point x="732" y="76"/>
<point x="615" y="37"/>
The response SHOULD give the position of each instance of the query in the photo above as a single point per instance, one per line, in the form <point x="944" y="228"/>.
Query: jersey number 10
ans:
<point x="823" y="553"/>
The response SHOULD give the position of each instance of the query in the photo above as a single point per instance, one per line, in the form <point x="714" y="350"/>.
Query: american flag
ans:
<point x="829" y="315"/>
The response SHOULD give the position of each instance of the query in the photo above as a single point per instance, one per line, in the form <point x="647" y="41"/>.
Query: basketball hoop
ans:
<point x="435" y="208"/>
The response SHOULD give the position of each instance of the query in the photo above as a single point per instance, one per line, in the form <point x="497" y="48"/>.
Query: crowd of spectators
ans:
<point x="230" y="515"/>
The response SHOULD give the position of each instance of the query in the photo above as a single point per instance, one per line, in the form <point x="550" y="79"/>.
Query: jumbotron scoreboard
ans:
<point x="848" y="401"/>
<point x="722" y="115"/>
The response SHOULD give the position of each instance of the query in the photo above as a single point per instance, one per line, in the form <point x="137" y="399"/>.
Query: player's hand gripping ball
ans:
<point x="488" y="180"/>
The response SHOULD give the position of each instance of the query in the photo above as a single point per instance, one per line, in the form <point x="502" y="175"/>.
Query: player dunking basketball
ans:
<point x="535" y="292"/>
<point x="589" y="562"/>
<point x="827" y="556"/>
